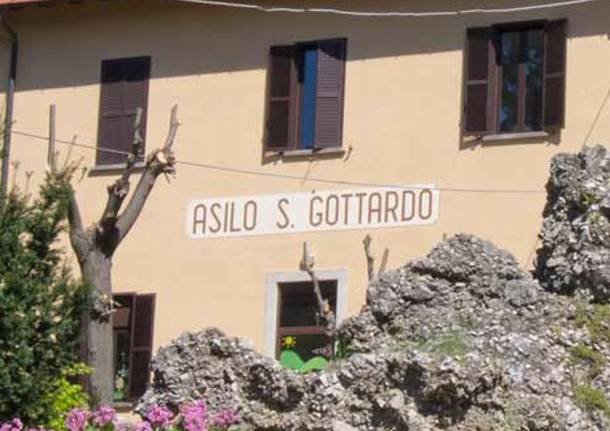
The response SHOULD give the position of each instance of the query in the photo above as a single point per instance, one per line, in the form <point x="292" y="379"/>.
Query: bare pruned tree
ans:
<point x="324" y="308"/>
<point x="95" y="245"/>
<point x="370" y="259"/>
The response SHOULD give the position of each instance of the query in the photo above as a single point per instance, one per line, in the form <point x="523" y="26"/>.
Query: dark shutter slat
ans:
<point x="141" y="344"/>
<point x="140" y="362"/>
<point x="110" y="135"/>
<point x="554" y="74"/>
<point x="124" y="88"/>
<point x="329" y="93"/>
<point x="477" y="86"/>
<point x="279" y="102"/>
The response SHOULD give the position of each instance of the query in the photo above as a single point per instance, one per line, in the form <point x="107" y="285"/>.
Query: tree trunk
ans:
<point x="95" y="246"/>
<point x="96" y="271"/>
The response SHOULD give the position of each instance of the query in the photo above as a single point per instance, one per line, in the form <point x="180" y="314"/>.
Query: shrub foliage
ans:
<point x="40" y="304"/>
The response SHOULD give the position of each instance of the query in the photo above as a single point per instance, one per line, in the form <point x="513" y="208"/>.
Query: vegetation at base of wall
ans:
<point x="192" y="417"/>
<point x="40" y="304"/>
<point x="591" y="399"/>
<point x="581" y="354"/>
<point x="68" y="395"/>
<point x="595" y="320"/>
<point x="451" y="342"/>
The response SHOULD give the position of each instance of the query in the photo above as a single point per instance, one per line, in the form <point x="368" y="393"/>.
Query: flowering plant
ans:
<point x="193" y="417"/>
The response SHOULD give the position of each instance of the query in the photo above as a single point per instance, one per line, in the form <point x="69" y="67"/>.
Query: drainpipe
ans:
<point x="10" y="96"/>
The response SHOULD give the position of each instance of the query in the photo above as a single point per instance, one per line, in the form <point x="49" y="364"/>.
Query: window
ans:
<point x="132" y="324"/>
<point x="124" y="88"/>
<point x="515" y="78"/>
<point x="305" y="101"/>
<point x="300" y="327"/>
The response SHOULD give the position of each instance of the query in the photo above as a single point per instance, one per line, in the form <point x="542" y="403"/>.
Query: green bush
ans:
<point x="66" y="396"/>
<point x="40" y="305"/>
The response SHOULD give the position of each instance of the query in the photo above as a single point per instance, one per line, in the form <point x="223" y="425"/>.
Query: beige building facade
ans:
<point x="402" y="124"/>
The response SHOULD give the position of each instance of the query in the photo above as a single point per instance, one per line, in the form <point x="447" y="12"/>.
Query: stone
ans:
<point x="462" y="339"/>
<point x="575" y="234"/>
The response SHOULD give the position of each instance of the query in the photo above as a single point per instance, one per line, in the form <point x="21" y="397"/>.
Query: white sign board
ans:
<point x="312" y="211"/>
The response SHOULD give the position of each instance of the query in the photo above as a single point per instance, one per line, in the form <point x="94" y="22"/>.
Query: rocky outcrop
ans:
<point x="575" y="253"/>
<point x="460" y="340"/>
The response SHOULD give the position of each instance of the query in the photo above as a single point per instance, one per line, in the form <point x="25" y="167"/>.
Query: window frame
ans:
<point x="101" y="165"/>
<point x="496" y="70"/>
<point x="481" y="117"/>
<point x="272" y="301"/>
<point x="295" y="100"/>
<point x="131" y="299"/>
<point x="284" y="331"/>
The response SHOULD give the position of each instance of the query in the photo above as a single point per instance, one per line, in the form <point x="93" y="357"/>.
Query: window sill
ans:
<point x="114" y="168"/>
<point x="307" y="152"/>
<point x="515" y="136"/>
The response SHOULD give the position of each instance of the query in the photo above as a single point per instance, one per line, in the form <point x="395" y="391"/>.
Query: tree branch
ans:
<point x="120" y="188"/>
<point x="78" y="237"/>
<point x="160" y="161"/>
<point x="370" y="260"/>
<point x="307" y="264"/>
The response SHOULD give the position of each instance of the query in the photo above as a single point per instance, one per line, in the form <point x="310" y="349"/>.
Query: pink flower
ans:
<point x="142" y="426"/>
<point x="194" y="416"/>
<point x="105" y="415"/>
<point x="123" y="426"/>
<point x="159" y="416"/>
<point x="77" y="419"/>
<point x="226" y="418"/>
<point x="14" y="425"/>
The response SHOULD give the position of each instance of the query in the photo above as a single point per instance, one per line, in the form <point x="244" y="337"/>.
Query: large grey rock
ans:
<point x="575" y="252"/>
<point x="460" y="340"/>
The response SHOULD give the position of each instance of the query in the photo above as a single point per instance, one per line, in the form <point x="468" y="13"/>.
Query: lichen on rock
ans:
<point x="575" y="252"/>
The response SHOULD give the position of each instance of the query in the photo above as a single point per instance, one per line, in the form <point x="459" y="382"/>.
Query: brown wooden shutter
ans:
<point x="329" y="93"/>
<point x="122" y="316"/>
<point x="477" y="105"/>
<point x="141" y="344"/>
<point x="124" y="88"/>
<point x="280" y="105"/>
<point x="554" y="74"/>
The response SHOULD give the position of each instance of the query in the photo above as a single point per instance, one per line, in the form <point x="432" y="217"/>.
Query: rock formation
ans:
<point x="575" y="255"/>
<point x="462" y="339"/>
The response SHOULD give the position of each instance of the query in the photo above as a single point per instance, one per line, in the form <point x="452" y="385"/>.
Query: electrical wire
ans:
<point x="229" y="169"/>
<point x="372" y="14"/>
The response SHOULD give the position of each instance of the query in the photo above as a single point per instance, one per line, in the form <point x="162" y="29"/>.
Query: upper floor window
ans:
<point x="124" y="88"/>
<point x="515" y="78"/>
<point x="305" y="100"/>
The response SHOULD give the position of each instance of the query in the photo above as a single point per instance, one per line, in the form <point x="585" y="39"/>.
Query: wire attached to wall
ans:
<point x="229" y="169"/>
<point x="378" y="14"/>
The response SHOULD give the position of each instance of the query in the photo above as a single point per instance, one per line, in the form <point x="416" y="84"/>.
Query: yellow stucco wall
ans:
<point x="403" y="99"/>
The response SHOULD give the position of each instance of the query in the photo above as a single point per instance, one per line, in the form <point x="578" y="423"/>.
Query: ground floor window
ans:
<point x="295" y="331"/>
<point x="132" y="322"/>
<point x="301" y="335"/>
